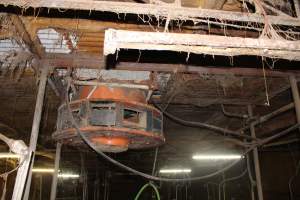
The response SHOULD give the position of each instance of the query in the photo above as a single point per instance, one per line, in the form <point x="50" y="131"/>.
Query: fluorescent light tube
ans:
<point x="51" y="170"/>
<point x="9" y="155"/>
<point x="217" y="157"/>
<point x="43" y="170"/>
<point x="68" y="176"/>
<point x="174" y="171"/>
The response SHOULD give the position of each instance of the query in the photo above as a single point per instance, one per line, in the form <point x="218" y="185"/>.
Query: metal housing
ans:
<point x="114" y="119"/>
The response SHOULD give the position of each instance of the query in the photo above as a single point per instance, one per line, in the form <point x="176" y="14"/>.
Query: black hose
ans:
<point x="204" y="125"/>
<point x="156" y="178"/>
<point x="117" y="163"/>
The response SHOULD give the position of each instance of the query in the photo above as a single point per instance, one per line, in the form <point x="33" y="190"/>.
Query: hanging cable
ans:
<point x="115" y="162"/>
<point x="204" y="125"/>
<point x="156" y="178"/>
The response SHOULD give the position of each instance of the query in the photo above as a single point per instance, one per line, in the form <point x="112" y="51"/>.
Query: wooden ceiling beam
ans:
<point x="200" y="44"/>
<point x="57" y="60"/>
<point x="86" y="25"/>
<point x="33" y="44"/>
<point x="170" y="11"/>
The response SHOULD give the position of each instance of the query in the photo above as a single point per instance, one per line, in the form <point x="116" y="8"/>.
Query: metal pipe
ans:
<point x="125" y="85"/>
<point x="256" y="159"/>
<point x="26" y="168"/>
<point x="229" y="114"/>
<point x="295" y="92"/>
<point x="282" y="143"/>
<point x="55" y="174"/>
<point x="270" y="115"/>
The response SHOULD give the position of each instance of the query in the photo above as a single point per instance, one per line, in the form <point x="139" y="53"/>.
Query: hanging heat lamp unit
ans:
<point x="114" y="119"/>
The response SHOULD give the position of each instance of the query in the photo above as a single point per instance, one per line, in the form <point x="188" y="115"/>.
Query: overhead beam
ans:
<point x="200" y="44"/>
<point x="169" y="11"/>
<point x="238" y="71"/>
<point x="35" y="23"/>
<point x="33" y="44"/>
<point x="78" y="25"/>
<point x="58" y="60"/>
<point x="96" y="62"/>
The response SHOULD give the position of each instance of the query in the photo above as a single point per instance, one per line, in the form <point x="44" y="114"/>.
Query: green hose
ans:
<point x="144" y="187"/>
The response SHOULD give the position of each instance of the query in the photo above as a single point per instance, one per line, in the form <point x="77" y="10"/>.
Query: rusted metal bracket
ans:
<point x="200" y="44"/>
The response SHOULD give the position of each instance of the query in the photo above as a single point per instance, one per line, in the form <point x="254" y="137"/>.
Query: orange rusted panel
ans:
<point x="113" y="93"/>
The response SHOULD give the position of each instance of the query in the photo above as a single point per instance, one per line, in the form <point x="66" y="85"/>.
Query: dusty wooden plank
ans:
<point x="200" y="44"/>
<point x="171" y="12"/>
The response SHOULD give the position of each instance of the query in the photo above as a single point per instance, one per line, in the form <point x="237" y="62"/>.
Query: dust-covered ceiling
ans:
<point x="213" y="84"/>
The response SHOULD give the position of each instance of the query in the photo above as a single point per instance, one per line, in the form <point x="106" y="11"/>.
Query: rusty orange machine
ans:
<point x="114" y="119"/>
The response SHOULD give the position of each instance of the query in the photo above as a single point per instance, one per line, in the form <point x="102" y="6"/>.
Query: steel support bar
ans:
<point x="169" y="11"/>
<point x="55" y="174"/>
<point x="268" y="116"/>
<point x="21" y="179"/>
<point x="295" y="92"/>
<point x="256" y="159"/>
<point x="24" y="173"/>
<point x="200" y="44"/>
